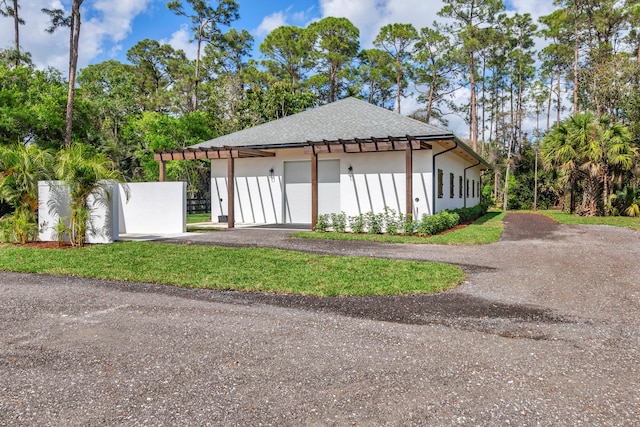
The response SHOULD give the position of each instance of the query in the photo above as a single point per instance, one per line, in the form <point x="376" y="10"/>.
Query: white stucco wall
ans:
<point x="377" y="180"/>
<point x="153" y="208"/>
<point x="450" y="163"/>
<point x="138" y="208"/>
<point x="54" y="203"/>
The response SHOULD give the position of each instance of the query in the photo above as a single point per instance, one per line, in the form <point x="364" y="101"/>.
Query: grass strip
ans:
<point x="244" y="269"/>
<point x="192" y="218"/>
<point x="486" y="229"/>
<point x="616" y="221"/>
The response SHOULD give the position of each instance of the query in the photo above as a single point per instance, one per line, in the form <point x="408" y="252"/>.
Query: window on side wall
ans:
<point x="467" y="188"/>
<point x="452" y="190"/>
<point x="473" y="188"/>
<point x="479" y="188"/>
<point x="440" y="184"/>
<point x="460" y="187"/>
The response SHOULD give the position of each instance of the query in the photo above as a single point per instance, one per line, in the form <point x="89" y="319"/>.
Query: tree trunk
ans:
<point x="505" y="202"/>
<point x="16" y="26"/>
<point x="399" y="90"/>
<point x="197" y="82"/>
<point x="558" y="99"/>
<point x="535" y="184"/>
<point x="430" y="100"/>
<point x="73" y="63"/>
<point x="484" y="77"/>
<point x="474" y="118"/>
<point x="572" y="196"/>
<point x="576" y="57"/>
<point x="549" y="104"/>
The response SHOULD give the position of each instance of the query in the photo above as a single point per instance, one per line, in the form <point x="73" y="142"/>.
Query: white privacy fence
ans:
<point x="138" y="208"/>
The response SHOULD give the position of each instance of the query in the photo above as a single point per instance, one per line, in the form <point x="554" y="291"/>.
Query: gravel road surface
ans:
<point x="545" y="331"/>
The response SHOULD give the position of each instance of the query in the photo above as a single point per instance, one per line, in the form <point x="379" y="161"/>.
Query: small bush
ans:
<point x="408" y="224"/>
<point x="357" y="223"/>
<point x="469" y="214"/>
<point x="339" y="222"/>
<point x="391" y="221"/>
<point x="374" y="222"/>
<point x="323" y="223"/>
<point x="433" y="224"/>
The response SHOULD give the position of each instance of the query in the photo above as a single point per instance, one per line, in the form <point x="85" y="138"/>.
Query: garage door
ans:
<point x="297" y="190"/>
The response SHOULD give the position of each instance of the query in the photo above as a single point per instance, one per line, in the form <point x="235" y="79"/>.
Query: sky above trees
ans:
<point x="111" y="27"/>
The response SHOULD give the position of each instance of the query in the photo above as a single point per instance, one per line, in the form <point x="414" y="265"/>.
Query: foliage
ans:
<point x="437" y="223"/>
<point x="322" y="224"/>
<point x="339" y="222"/>
<point x="60" y="230"/>
<point x="408" y="224"/>
<point x="589" y="150"/>
<point x="264" y="270"/>
<point x="21" y="167"/>
<point x="85" y="173"/>
<point x="374" y="222"/>
<point x="487" y="229"/>
<point x="357" y="223"/>
<point x="626" y="202"/>
<point x="391" y="221"/>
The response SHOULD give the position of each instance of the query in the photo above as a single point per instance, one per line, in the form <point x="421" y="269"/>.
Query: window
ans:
<point x="479" y="188"/>
<point x="440" y="184"/>
<point x="473" y="188"/>
<point x="452" y="191"/>
<point x="467" y="188"/>
<point x="460" y="188"/>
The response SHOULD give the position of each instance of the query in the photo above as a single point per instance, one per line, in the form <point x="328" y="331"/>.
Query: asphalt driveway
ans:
<point x="546" y="331"/>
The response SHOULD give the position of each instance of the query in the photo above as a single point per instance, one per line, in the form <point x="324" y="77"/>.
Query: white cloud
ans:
<point x="181" y="39"/>
<point x="270" y="23"/>
<point x="103" y="23"/>
<point x="371" y="15"/>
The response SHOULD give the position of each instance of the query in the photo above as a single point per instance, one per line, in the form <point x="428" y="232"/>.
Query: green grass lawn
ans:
<point x="618" y="221"/>
<point x="484" y="230"/>
<point x="245" y="269"/>
<point x="205" y="217"/>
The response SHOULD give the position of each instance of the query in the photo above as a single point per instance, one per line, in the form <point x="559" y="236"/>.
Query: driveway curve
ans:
<point x="545" y="331"/>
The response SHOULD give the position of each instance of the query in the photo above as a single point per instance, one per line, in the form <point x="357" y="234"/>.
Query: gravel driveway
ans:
<point x="546" y="331"/>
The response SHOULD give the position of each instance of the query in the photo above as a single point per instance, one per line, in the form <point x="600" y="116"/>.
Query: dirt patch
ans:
<point x="525" y="226"/>
<point x="46" y="245"/>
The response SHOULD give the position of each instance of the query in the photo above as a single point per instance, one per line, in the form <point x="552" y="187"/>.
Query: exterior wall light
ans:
<point x="271" y="171"/>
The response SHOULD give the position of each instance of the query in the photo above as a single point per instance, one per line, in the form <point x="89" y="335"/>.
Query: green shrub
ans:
<point x="469" y="214"/>
<point x="433" y="224"/>
<point x="322" y="224"/>
<point x="374" y="222"/>
<point x="339" y="222"/>
<point x="391" y="221"/>
<point x="408" y="224"/>
<point x="357" y="223"/>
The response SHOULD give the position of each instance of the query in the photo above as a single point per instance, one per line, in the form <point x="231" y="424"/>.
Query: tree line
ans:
<point x="519" y="100"/>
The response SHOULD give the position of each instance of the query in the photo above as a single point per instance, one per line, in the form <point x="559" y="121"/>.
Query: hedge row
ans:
<point x="392" y="222"/>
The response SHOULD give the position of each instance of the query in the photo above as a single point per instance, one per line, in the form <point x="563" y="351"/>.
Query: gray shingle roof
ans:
<point x="346" y="119"/>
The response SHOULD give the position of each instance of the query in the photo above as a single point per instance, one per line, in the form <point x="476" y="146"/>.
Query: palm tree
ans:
<point x="85" y="174"/>
<point x="591" y="148"/>
<point x="21" y="167"/>
<point x="559" y="151"/>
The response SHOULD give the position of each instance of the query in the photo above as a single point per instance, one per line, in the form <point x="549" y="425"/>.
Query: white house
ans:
<point x="346" y="156"/>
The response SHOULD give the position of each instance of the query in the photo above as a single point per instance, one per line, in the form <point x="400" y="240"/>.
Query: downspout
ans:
<point x="464" y="181"/>
<point x="434" y="176"/>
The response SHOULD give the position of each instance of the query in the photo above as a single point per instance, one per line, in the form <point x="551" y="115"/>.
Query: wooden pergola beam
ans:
<point x="409" y="180"/>
<point x="230" y="192"/>
<point x="210" y="153"/>
<point x="314" y="191"/>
